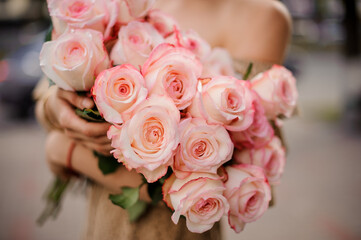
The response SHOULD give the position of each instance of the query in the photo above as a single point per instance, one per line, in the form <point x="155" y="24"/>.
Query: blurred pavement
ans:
<point x="319" y="196"/>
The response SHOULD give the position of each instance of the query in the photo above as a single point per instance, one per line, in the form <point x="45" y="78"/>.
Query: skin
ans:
<point x="233" y="24"/>
<point x="236" y="24"/>
<point x="60" y="111"/>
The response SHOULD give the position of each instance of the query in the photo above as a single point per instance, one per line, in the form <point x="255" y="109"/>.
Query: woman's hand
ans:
<point x="60" y="109"/>
<point x="84" y="162"/>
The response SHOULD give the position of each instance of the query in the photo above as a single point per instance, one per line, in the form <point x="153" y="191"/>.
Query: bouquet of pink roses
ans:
<point x="205" y="139"/>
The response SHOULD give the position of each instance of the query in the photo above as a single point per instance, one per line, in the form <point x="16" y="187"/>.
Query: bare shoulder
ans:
<point x="263" y="24"/>
<point x="262" y="11"/>
<point x="279" y="14"/>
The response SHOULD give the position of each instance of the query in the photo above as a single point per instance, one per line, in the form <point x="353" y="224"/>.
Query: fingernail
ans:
<point x="87" y="103"/>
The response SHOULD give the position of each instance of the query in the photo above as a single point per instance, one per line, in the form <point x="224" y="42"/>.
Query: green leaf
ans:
<point x="89" y="114"/>
<point x="127" y="198"/>
<point x="51" y="82"/>
<point x="48" y="33"/>
<point x="248" y="71"/>
<point x="106" y="164"/>
<point x="53" y="197"/>
<point x="137" y="210"/>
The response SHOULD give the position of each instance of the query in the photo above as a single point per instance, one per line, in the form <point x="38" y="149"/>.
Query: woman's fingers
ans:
<point x="102" y="149"/>
<point x="93" y="135"/>
<point x="81" y="137"/>
<point x="74" y="99"/>
<point x="69" y="120"/>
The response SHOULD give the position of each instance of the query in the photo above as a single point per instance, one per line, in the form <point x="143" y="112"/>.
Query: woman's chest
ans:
<point x="205" y="17"/>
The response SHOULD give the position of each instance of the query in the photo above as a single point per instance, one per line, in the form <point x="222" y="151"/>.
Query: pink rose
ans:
<point x="224" y="100"/>
<point x="271" y="158"/>
<point x="198" y="197"/>
<point x="74" y="59"/>
<point x="164" y="23"/>
<point x="92" y="14"/>
<point x="277" y="90"/>
<point x="129" y="10"/>
<point x="192" y="41"/>
<point x="218" y="63"/>
<point x="148" y="140"/>
<point x="118" y="90"/>
<point x="203" y="147"/>
<point x="258" y="134"/>
<point x="135" y="42"/>
<point x="172" y="71"/>
<point x="248" y="194"/>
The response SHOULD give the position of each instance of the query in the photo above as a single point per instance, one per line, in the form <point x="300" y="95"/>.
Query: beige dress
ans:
<point x="108" y="222"/>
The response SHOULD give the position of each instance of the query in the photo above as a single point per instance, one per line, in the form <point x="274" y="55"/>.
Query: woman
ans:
<point x="252" y="30"/>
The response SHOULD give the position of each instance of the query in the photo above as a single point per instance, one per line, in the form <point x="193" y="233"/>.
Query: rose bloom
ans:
<point x="277" y="90"/>
<point x="271" y="158"/>
<point x="135" y="42"/>
<point x="202" y="148"/>
<point x="192" y="41"/>
<point x="164" y="23"/>
<point x="117" y="91"/>
<point x="198" y="197"/>
<point x="172" y="71"/>
<point x="92" y="14"/>
<point x="129" y="10"/>
<point x="248" y="194"/>
<point x="74" y="59"/>
<point x="218" y="63"/>
<point x="258" y="134"/>
<point x="224" y="100"/>
<point x="148" y="140"/>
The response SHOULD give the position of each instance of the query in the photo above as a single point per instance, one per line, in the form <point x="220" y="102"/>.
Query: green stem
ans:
<point x="248" y="71"/>
<point x="53" y="199"/>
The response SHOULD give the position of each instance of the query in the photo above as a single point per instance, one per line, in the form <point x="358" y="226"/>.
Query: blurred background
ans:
<point x="320" y="194"/>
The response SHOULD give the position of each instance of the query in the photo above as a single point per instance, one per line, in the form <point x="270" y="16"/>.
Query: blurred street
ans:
<point x="319" y="196"/>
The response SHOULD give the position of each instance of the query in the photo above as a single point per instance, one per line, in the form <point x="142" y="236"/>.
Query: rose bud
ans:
<point x="172" y="71"/>
<point x="218" y="63"/>
<point x="224" y="100"/>
<point x="148" y="140"/>
<point x="277" y="90"/>
<point x="198" y="197"/>
<point x="118" y="90"/>
<point x="164" y="23"/>
<point x="135" y="42"/>
<point x="202" y="148"/>
<point x="83" y="14"/>
<point x="248" y="194"/>
<point x="258" y="134"/>
<point x="74" y="59"/>
<point x="192" y="41"/>
<point x="271" y="158"/>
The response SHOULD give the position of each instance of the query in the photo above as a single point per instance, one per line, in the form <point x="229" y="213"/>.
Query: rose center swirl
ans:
<point x="153" y="132"/>
<point x="174" y="86"/>
<point x="73" y="55"/>
<point x="203" y="207"/>
<point x="122" y="89"/>
<point x="77" y="8"/>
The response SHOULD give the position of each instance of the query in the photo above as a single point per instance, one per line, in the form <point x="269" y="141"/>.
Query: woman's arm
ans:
<point x="84" y="162"/>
